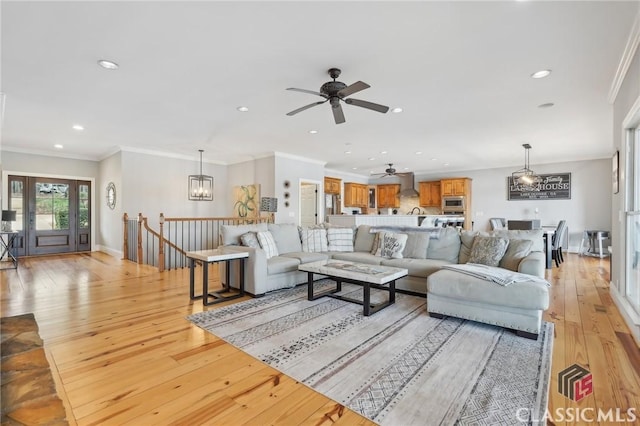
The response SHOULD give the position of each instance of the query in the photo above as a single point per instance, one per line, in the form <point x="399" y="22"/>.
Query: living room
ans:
<point x="151" y="177"/>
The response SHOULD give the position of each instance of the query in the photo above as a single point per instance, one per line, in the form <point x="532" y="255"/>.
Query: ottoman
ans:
<point x="518" y="306"/>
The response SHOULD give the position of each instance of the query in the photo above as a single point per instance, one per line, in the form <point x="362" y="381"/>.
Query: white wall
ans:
<point x="259" y="171"/>
<point x="293" y="170"/>
<point x="588" y="207"/>
<point x="110" y="222"/>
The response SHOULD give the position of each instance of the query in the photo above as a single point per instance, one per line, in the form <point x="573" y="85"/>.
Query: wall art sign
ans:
<point x="553" y="186"/>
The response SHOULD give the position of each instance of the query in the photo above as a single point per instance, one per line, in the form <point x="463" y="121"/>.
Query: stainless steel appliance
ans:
<point x="332" y="204"/>
<point x="453" y="204"/>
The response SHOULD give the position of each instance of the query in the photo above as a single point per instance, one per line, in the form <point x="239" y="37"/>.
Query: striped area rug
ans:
<point x="398" y="366"/>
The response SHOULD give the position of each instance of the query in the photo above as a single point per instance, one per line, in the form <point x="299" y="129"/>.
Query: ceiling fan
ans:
<point x="390" y="172"/>
<point x="336" y="91"/>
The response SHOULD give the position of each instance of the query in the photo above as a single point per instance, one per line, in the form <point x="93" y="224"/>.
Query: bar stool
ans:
<point x="594" y="239"/>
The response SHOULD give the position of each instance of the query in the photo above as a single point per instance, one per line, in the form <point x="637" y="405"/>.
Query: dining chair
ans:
<point x="556" y="242"/>
<point x="498" y="223"/>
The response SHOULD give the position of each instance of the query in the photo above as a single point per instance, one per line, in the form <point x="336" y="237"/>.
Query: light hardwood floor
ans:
<point x="122" y="352"/>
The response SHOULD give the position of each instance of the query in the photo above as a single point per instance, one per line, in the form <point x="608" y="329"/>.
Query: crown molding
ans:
<point x="166" y="155"/>
<point x="627" y="58"/>
<point x="298" y="158"/>
<point x="44" y="153"/>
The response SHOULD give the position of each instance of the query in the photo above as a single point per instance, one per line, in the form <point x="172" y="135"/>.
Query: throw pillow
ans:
<point x="340" y="239"/>
<point x="391" y="245"/>
<point x="250" y="239"/>
<point x="376" y="243"/>
<point x="488" y="250"/>
<point x="417" y="245"/>
<point x="267" y="243"/>
<point x="517" y="250"/>
<point x="314" y="240"/>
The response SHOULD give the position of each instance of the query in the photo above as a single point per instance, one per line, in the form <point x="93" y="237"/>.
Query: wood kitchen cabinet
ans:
<point x="389" y="196"/>
<point x="332" y="185"/>
<point x="459" y="186"/>
<point x="430" y="194"/>
<point x="356" y="195"/>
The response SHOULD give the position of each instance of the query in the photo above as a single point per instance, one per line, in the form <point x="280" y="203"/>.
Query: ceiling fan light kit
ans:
<point x="336" y="91"/>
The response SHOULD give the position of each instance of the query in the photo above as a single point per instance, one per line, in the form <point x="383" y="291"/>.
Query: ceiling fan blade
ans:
<point x="295" y="111"/>
<point x="306" y="91"/>
<point x="355" y="87"/>
<point x="369" y="105"/>
<point x="338" y="114"/>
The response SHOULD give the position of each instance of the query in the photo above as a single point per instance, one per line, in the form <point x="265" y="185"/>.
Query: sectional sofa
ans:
<point x="425" y="253"/>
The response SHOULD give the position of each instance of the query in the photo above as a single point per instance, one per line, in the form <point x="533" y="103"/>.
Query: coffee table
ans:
<point x="368" y="276"/>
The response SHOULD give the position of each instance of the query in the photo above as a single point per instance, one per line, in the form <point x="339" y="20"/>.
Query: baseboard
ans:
<point x="630" y="316"/>
<point x="115" y="253"/>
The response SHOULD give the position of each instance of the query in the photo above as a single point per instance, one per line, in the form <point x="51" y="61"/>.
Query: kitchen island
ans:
<point x="395" y="219"/>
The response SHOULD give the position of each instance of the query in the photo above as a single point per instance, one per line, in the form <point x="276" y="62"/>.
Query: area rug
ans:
<point x="398" y="366"/>
<point x="28" y="392"/>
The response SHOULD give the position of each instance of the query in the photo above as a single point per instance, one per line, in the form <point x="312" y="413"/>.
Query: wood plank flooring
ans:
<point x="121" y="351"/>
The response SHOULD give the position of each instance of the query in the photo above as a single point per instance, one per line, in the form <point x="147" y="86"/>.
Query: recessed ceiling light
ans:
<point x="418" y="152"/>
<point x="354" y="168"/>
<point x="58" y="146"/>
<point x="434" y="159"/>
<point x="347" y="152"/>
<point x="313" y="132"/>
<point x="396" y="110"/>
<point x="547" y="105"/>
<point x="446" y="164"/>
<point x="78" y="127"/>
<point x="371" y="158"/>
<point x="108" y="65"/>
<point x="242" y="109"/>
<point x="383" y="152"/>
<point x="541" y="74"/>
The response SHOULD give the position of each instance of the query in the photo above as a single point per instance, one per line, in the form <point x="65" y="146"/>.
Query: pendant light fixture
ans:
<point x="524" y="177"/>
<point x="200" y="186"/>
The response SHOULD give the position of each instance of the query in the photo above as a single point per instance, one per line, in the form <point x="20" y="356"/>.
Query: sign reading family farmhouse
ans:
<point x="547" y="187"/>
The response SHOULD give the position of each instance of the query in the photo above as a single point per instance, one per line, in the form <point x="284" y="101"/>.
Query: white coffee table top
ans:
<point x="216" y="255"/>
<point x="374" y="274"/>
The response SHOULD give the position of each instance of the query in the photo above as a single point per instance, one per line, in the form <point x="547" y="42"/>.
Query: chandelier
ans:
<point x="524" y="177"/>
<point x="200" y="186"/>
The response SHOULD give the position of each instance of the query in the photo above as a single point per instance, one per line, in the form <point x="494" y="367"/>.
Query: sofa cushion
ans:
<point x="281" y="264"/>
<point x="305" y="257"/>
<point x="286" y="237"/>
<point x="417" y="267"/>
<point x="231" y="233"/>
<point x="488" y="250"/>
<point x="314" y="240"/>
<point x="267" y="243"/>
<point x="417" y="245"/>
<point x="364" y="239"/>
<point x="391" y="245"/>
<point x="446" y="246"/>
<point x="340" y="239"/>
<point x="517" y="250"/>
<point x="455" y="285"/>
<point x="250" y="239"/>
<point x="358" y="257"/>
<point x="534" y="235"/>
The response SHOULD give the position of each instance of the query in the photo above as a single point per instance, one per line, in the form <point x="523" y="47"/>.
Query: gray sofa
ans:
<point x="449" y="292"/>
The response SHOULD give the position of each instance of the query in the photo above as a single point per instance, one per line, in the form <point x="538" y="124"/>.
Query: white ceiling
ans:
<point x="460" y="70"/>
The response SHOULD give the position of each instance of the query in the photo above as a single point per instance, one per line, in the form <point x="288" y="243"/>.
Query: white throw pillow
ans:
<point x="267" y="243"/>
<point x="391" y="245"/>
<point x="314" y="240"/>
<point x="340" y="239"/>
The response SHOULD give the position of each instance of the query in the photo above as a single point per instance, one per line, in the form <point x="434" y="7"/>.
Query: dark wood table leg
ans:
<point x="205" y="283"/>
<point x="242" y="276"/>
<point x="366" y="302"/>
<point x="192" y="266"/>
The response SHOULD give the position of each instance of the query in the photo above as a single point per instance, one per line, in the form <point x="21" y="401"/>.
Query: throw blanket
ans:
<point x="434" y="233"/>
<point x="494" y="274"/>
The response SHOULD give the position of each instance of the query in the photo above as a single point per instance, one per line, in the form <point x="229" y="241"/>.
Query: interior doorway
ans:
<point x="309" y="203"/>
<point x="52" y="215"/>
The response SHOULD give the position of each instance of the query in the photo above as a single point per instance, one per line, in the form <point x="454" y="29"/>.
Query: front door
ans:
<point x="53" y="214"/>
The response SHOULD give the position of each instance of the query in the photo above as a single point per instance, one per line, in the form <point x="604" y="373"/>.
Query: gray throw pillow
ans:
<point x="250" y="239"/>
<point x="488" y="250"/>
<point x="517" y="250"/>
<point x="417" y="245"/>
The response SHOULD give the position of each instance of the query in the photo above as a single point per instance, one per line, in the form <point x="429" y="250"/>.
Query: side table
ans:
<point x="6" y="244"/>
<point x="214" y="256"/>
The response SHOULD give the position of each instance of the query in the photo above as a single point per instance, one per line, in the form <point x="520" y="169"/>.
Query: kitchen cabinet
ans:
<point x="389" y="196"/>
<point x="459" y="186"/>
<point x="332" y="185"/>
<point x="356" y="195"/>
<point x="430" y="194"/>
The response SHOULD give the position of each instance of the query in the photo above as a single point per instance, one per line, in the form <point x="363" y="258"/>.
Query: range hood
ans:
<point x="406" y="186"/>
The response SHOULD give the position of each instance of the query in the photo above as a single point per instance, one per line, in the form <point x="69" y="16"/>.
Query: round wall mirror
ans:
<point x="111" y="195"/>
